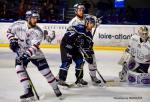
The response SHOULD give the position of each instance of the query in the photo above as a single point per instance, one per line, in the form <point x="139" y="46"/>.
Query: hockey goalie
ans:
<point x="136" y="59"/>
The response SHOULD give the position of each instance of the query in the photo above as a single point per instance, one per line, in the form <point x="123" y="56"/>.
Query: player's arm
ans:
<point x="127" y="55"/>
<point x="85" y="45"/>
<point x="13" y="41"/>
<point x="35" y="43"/>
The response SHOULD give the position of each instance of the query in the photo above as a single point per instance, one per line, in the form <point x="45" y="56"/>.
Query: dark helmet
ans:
<point x="32" y="13"/>
<point x="78" y="6"/>
<point x="90" y="18"/>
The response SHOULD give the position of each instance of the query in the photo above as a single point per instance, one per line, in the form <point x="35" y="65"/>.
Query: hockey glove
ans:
<point x="88" y="56"/>
<point x="14" y="45"/>
<point x="25" y="58"/>
<point x="79" y="42"/>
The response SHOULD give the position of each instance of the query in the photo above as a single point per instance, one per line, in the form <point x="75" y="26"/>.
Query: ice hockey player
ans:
<point x="25" y="37"/>
<point x="136" y="59"/>
<point x="76" y="42"/>
<point x="80" y="19"/>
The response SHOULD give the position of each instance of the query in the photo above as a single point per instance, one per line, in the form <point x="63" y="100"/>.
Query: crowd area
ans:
<point x="55" y="11"/>
<point x="12" y="10"/>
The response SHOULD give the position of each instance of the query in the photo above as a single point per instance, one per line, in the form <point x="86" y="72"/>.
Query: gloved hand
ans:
<point x="99" y="21"/>
<point x="14" y="45"/>
<point x="88" y="56"/>
<point x="25" y="58"/>
<point x="79" y="42"/>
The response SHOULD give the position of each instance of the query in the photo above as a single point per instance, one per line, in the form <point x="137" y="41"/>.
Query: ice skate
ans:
<point x="28" y="97"/>
<point x="58" y="93"/>
<point x="81" y="83"/>
<point x="96" y="81"/>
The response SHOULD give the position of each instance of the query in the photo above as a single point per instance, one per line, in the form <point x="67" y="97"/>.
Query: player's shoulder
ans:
<point x="20" y="22"/>
<point x="135" y="37"/>
<point x="148" y="40"/>
<point x="38" y="30"/>
<point x="72" y="21"/>
<point x="79" y="28"/>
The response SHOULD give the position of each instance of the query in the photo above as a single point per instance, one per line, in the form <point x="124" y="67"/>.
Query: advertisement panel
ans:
<point x="106" y="35"/>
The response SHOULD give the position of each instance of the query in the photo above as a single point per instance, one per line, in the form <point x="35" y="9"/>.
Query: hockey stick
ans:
<point x="100" y="76"/>
<point x="95" y="30"/>
<point x="97" y="25"/>
<point x="96" y="69"/>
<point x="37" y="96"/>
<point x="109" y="83"/>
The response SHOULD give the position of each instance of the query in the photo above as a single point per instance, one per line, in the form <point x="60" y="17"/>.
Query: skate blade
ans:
<point x="61" y="97"/>
<point x="31" y="99"/>
<point x="77" y="85"/>
<point x="98" y="84"/>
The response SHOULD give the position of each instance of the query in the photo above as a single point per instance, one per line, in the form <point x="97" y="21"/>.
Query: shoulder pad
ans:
<point x="79" y="28"/>
<point x="20" y="22"/>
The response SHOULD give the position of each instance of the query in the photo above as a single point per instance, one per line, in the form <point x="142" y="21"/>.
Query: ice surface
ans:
<point x="11" y="89"/>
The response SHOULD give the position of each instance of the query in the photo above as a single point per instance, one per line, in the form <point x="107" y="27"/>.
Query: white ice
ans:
<point x="11" y="89"/>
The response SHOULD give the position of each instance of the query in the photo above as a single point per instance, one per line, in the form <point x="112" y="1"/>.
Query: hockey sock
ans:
<point x="92" y="70"/>
<point x="23" y="77"/>
<point x="49" y="77"/>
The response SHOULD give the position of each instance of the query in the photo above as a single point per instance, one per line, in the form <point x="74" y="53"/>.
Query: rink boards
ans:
<point x="107" y="37"/>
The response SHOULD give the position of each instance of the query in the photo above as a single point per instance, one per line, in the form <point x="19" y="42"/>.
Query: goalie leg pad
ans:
<point x="138" y="78"/>
<point x="125" y="58"/>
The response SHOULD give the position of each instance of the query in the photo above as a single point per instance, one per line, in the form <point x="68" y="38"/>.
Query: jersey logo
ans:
<point x="131" y="78"/>
<point x="28" y="42"/>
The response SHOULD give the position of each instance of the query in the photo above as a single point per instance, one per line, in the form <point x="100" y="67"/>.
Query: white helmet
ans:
<point x="143" y="32"/>
<point x="78" y="6"/>
<point x="32" y="13"/>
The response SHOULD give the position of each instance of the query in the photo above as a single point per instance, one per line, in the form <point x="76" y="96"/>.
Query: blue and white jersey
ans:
<point x="79" y="29"/>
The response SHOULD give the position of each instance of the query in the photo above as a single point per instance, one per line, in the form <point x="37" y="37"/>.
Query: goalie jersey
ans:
<point x="28" y="39"/>
<point x="139" y="50"/>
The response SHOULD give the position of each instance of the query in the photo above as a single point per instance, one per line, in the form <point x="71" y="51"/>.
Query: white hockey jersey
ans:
<point x="28" y="39"/>
<point x="75" y="21"/>
<point x="140" y="50"/>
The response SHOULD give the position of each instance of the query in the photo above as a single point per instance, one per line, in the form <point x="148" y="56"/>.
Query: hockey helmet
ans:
<point x="90" y="18"/>
<point x="32" y="13"/>
<point x="143" y="31"/>
<point x="79" y="6"/>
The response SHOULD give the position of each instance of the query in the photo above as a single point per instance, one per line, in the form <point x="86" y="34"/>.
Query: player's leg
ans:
<point x="127" y="62"/>
<point x="44" y="69"/>
<point x="142" y="68"/>
<point x="66" y="60"/>
<point x="78" y="59"/>
<point x="139" y="75"/>
<point x="92" y="71"/>
<point x="28" y="93"/>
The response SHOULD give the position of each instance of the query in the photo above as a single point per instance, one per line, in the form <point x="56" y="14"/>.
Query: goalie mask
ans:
<point x="143" y="32"/>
